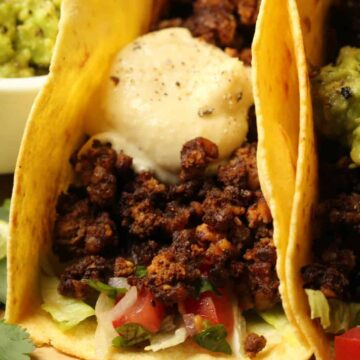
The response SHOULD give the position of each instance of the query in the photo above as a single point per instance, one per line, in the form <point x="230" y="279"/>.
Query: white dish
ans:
<point x="16" y="98"/>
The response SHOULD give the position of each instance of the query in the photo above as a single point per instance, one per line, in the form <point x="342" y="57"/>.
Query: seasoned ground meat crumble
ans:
<point x="229" y="24"/>
<point x="336" y="268"/>
<point x="217" y="227"/>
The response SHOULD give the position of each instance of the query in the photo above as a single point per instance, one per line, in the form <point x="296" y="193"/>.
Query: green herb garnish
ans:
<point x="130" y="335"/>
<point x="14" y="342"/>
<point x="141" y="271"/>
<point x="213" y="338"/>
<point x="206" y="285"/>
<point x="111" y="291"/>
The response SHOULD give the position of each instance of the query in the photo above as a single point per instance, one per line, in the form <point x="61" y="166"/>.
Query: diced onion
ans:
<point x="119" y="282"/>
<point x="164" y="341"/>
<point x="190" y="326"/>
<point x="105" y="331"/>
<point x="124" y="304"/>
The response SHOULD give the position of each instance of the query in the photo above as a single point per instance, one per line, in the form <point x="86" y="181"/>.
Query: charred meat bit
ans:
<point x="331" y="281"/>
<point x="144" y="252"/>
<point x="96" y="169"/>
<point x="173" y="273"/>
<point x="101" y="235"/>
<point x="228" y="24"/>
<point x="78" y="231"/>
<point x="263" y="279"/>
<point x="71" y="226"/>
<point x="123" y="267"/>
<point x="214" y="21"/>
<point x="254" y="344"/>
<point x="72" y="279"/>
<point x="258" y="213"/>
<point x="195" y="156"/>
<point x="248" y="11"/>
<point x="241" y="170"/>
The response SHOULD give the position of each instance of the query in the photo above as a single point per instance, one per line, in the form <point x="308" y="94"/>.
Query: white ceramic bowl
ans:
<point x="16" y="98"/>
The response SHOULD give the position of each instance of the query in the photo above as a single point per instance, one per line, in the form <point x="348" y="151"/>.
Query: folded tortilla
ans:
<point x="91" y="33"/>
<point x="309" y="25"/>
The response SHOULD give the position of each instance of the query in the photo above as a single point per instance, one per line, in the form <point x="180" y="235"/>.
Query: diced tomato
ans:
<point x="146" y="312"/>
<point x="347" y="346"/>
<point x="214" y="308"/>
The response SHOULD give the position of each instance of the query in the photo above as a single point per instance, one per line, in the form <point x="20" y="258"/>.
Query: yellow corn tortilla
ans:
<point x="309" y="24"/>
<point x="90" y="34"/>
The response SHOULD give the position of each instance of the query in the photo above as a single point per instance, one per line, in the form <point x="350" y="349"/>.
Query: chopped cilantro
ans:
<point x="5" y="210"/>
<point x="14" y="342"/>
<point x="130" y="335"/>
<point x="206" y="285"/>
<point x="141" y="271"/>
<point x="111" y="291"/>
<point x="213" y="338"/>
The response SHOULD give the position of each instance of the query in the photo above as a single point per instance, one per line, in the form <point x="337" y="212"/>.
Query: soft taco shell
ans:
<point x="91" y="32"/>
<point x="309" y="44"/>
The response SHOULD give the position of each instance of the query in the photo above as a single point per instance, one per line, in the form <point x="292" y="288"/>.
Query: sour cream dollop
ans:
<point x="167" y="88"/>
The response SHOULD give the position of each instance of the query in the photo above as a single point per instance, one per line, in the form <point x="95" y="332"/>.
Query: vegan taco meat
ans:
<point x="165" y="207"/>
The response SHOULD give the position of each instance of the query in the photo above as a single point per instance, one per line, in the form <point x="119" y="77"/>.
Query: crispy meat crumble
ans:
<point x="335" y="268"/>
<point x="229" y="24"/>
<point x="217" y="227"/>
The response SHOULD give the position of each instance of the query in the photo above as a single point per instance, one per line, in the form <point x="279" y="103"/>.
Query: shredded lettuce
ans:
<point x="278" y="320"/>
<point x="67" y="312"/>
<point x="335" y="316"/>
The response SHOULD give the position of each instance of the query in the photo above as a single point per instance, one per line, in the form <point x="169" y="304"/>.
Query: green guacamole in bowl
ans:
<point x="28" y="30"/>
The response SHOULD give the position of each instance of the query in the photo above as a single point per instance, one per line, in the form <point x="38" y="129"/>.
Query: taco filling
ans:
<point x="332" y="280"/>
<point x="168" y="234"/>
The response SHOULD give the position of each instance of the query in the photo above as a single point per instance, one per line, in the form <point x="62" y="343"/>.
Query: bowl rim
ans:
<point x="18" y="84"/>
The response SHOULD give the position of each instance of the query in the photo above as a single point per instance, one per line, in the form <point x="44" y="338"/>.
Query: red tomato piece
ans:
<point x="214" y="308"/>
<point x="146" y="312"/>
<point x="347" y="345"/>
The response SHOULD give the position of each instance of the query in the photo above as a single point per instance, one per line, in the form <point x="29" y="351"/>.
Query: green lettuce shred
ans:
<point x="278" y="320"/>
<point x="67" y="312"/>
<point x="335" y="316"/>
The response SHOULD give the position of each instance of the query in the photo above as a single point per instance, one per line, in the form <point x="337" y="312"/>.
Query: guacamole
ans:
<point x="28" y="31"/>
<point x="337" y="97"/>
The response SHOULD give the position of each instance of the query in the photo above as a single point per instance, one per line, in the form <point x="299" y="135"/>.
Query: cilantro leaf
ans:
<point x="141" y="271"/>
<point x="111" y="291"/>
<point x="130" y="335"/>
<point x="14" y="342"/>
<point x="206" y="285"/>
<point x="5" y="210"/>
<point x="3" y="280"/>
<point x="213" y="338"/>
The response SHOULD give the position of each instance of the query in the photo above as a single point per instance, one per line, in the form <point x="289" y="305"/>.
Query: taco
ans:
<point x="322" y="268"/>
<point x="151" y="206"/>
